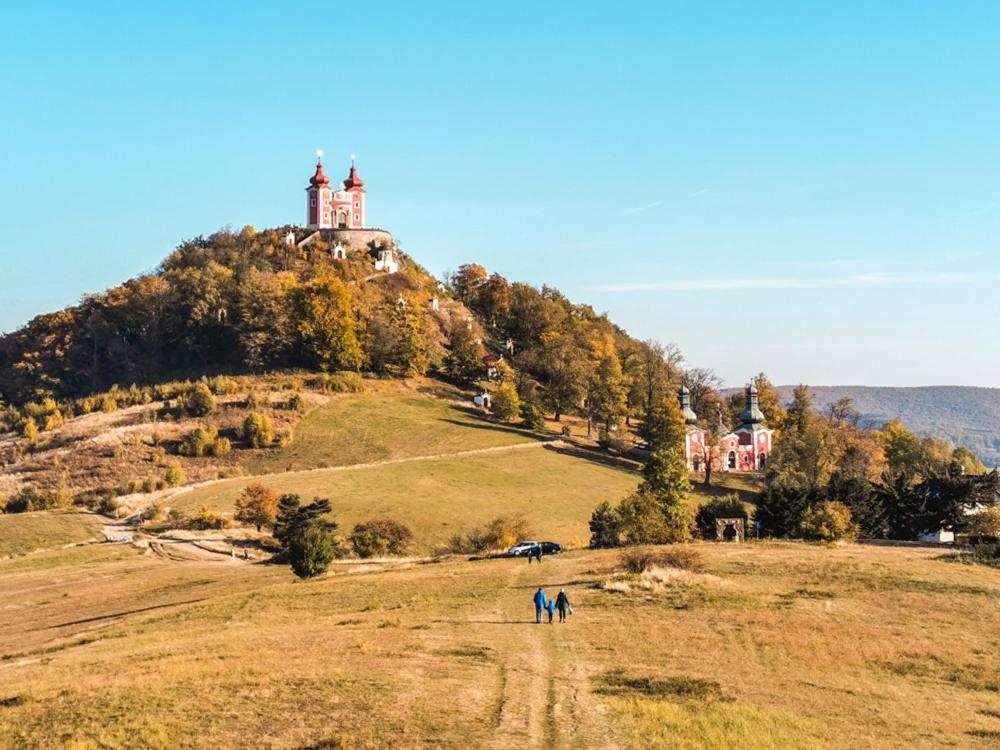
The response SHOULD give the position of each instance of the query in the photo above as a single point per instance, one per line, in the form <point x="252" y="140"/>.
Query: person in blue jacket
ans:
<point x="541" y="602"/>
<point x="551" y="607"/>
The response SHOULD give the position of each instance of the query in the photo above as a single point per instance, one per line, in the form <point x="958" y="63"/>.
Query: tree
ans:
<point x="293" y="517"/>
<point x="326" y="326"/>
<point x="665" y="476"/>
<point x="965" y="461"/>
<point x="607" y="392"/>
<point x="645" y="520"/>
<point x="828" y="522"/>
<point x="605" y="527"/>
<point x="464" y="361"/>
<point x="728" y="506"/>
<point x="30" y="432"/>
<point x="505" y="403"/>
<point x="175" y="475"/>
<point x="563" y="368"/>
<point x="311" y="551"/>
<point x="466" y="281"/>
<point x="257" y="505"/>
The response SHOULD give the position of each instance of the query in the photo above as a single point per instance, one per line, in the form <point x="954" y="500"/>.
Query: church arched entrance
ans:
<point x="732" y="460"/>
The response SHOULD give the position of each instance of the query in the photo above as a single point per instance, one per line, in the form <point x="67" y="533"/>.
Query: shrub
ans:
<point x="729" y="506"/>
<point x="30" y="432"/>
<point x="339" y="382"/>
<point x="379" y="537"/>
<point x="499" y="533"/>
<point x="221" y="447"/>
<point x="220" y="385"/>
<point x="297" y="403"/>
<point x="258" y="431"/>
<point x="197" y="400"/>
<point x="148" y="484"/>
<point x="108" y="504"/>
<point x="108" y="403"/>
<point x="986" y="523"/>
<point x="257" y="505"/>
<point x="198" y="442"/>
<point x="311" y="551"/>
<point x="29" y="499"/>
<point x="640" y="559"/>
<point x="646" y="520"/>
<point x="828" y="522"/>
<point x="207" y="520"/>
<point x="175" y="476"/>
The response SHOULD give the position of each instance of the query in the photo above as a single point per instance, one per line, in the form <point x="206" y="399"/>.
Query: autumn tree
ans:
<point x="257" y="505"/>
<point x="326" y="326"/>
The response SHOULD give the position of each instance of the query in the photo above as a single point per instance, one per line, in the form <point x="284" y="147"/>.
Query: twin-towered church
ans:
<point x="746" y="448"/>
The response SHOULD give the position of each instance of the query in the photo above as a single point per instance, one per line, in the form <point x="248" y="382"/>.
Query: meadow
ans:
<point x="771" y="645"/>
<point x="22" y="533"/>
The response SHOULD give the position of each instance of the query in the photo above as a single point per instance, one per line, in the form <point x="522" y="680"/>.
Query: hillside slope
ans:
<point x="967" y="416"/>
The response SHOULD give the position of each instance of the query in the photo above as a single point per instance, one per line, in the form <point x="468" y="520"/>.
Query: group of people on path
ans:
<point x="544" y="604"/>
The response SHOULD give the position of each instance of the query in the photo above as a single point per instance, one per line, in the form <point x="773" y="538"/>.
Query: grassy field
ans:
<point x="774" y="645"/>
<point x="25" y="532"/>
<point x="555" y="490"/>
<point x="389" y="421"/>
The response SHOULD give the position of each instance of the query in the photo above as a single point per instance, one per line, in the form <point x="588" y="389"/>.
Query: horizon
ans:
<point x="778" y="189"/>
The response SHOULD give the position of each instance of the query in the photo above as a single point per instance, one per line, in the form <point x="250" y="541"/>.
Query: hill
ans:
<point x="966" y="416"/>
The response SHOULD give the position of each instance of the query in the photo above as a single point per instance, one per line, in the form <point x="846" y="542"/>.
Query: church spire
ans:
<point x="752" y="416"/>
<point x="690" y="418"/>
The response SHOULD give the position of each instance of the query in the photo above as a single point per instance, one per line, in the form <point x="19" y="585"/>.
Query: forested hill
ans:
<point x="967" y="416"/>
<point x="250" y="302"/>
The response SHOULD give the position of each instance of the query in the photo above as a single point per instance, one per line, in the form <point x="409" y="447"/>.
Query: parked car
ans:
<point x="521" y="549"/>
<point x="551" y="548"/>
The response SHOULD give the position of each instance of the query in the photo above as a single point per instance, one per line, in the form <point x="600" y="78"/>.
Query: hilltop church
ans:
<point x="746" y="448"/>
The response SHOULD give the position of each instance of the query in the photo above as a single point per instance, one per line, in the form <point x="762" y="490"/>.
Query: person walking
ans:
<point x="551" y="607"/>
<point x="538" y="553"/>
<point x="540" y="604"/>
<point x="562" y="604"/>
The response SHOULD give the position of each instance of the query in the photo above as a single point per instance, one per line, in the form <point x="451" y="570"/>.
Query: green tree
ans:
<point x="312" y="551"/>
<point x="607" y="388"/>
<point x="605" y="527"/>
<point x="464" y="360"/>
<point x="258" y="431"/>
<point x="828" y="522"/>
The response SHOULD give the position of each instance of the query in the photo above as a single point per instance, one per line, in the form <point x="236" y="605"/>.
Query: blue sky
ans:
<point x="809" y="190"/>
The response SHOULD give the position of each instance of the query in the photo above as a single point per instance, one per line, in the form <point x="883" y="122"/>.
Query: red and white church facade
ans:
<point x="747" y="448"/>
<point x="340" y="207"/>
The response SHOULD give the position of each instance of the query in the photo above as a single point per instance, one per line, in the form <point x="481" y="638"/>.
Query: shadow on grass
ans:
<point x="126" y="613"/>
<point x="718" y="490"/>
<point x="597" y="456"/>
<point x="481" y="424"/>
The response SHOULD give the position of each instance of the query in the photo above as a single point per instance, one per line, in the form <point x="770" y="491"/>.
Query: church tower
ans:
<point x="319" y="198"/>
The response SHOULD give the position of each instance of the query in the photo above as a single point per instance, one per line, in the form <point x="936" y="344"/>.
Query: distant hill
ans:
<point x="965" y="415"/>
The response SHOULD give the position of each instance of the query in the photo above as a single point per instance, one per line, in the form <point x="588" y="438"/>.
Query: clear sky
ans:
<point x="808" y="189"/>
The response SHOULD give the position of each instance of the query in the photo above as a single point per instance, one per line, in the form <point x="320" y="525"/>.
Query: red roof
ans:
<point x="319" y="179"/>
<point x="353" y="181"/>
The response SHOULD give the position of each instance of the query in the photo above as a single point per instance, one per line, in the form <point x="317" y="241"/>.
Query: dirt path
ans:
<point x="545" y="696"/>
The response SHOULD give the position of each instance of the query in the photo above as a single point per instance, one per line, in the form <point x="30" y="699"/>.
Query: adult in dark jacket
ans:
<point x="540" y="603"/>
<point x="562" y="604"/>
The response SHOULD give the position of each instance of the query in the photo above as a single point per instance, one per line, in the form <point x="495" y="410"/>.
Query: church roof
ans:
<point x="690" y="417"/>
<point x="319" y="179"/>
<point x="752" y="417"/>
<point x="353" y="181"/>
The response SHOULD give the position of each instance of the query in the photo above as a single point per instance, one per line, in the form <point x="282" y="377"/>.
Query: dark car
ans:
<point x="550" y="548"/>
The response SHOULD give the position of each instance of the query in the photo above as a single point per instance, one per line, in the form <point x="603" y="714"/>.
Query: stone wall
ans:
<point x="357" y="239"/>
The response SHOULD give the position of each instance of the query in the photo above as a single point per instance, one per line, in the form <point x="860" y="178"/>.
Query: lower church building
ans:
<point x="746" y="448"/>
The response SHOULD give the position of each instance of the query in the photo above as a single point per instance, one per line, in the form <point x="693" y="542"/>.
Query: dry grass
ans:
<point x="25" y="532"/>
<point x="104" y="647"/>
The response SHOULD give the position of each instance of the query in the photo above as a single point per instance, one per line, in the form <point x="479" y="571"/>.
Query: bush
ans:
<point x="379" y="537"/>
<point x="646" y="520"/>
<point x="500" y="533"/>
<point x="175" y="476"/>
<point x="108" y="504"/>
<point x="642" y="558"/>
<point x="199" y="442"/>
<point x="258" y="431"/>
<point x="29" y="500"/>
<point x="296" y="403"/>
<point x="221" y="447"/>
<point x="828" y="522"/>
<point x="207" y="520"/>
<point x="339" y="382"/>
<point x="30" y="432"/>
<point x="729" y="506"/>
<point x="197" y="401"/>
<point x="986" y="523"/>
<point x="311" y="551"/>
<point x="532" y="416"/>
<point x="220" y="385"/>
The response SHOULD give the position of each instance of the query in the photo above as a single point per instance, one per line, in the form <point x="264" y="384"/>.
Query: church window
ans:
<point x="313" y="203"/>
<point x="732" y="459"/>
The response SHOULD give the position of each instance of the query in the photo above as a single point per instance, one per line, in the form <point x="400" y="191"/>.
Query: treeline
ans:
<point x="827" y="472"/>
